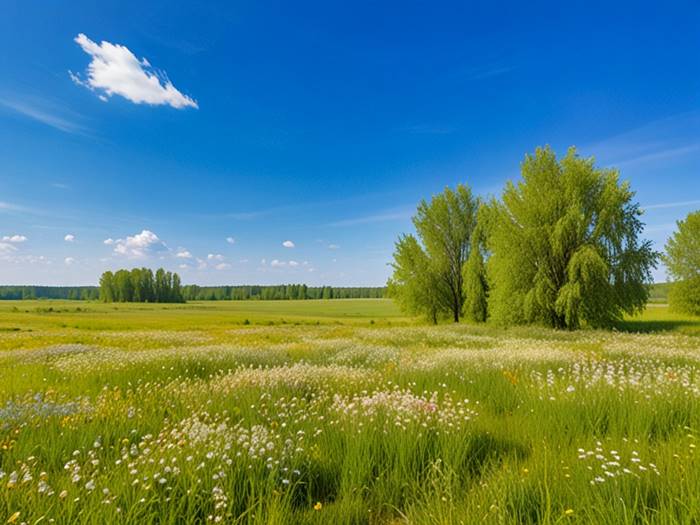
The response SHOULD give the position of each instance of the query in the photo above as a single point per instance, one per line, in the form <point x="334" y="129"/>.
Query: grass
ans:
<point x="341" y="412"/>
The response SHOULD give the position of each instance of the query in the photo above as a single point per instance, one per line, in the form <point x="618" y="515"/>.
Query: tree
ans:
<point x="107" y="287"/>
<point x="176" y="293"/>
<point x="414" y="283"/>
<point x="475" y="281"/>
<point x="444" y="227"/>
<point x="564" y="245"/>
<point x="682" y="261"/>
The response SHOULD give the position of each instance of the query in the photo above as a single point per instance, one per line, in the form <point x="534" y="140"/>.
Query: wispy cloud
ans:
<point x="379" y="217"/>
<point x="42" y="111"/>
<point x="115" y="70"/>
<point x="678" y="204"/>
<point x="669" y="138"/>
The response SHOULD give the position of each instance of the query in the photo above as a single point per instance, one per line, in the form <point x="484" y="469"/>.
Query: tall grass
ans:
<point x="345" y="424"/>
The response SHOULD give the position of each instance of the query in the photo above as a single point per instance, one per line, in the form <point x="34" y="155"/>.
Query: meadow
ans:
<point x="343" y="412"/>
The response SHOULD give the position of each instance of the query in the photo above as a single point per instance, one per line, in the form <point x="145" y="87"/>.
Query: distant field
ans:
<point x="343" y="412"/>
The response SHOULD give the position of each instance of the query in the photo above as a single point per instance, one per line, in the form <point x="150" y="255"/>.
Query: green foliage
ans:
<point x="475" y="280"/>
<point x="193" y="292"/>
<point x="683" y="262"/>
<point x="73" y="293"/>
<point x="140" y="286"/>
<point x="428" y="269"/>
<point x="414" y="285"/>
<point x="565" y="247"/>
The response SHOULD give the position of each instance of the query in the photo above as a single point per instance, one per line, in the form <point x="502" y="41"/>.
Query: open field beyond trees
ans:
<point x="341" y="411"/>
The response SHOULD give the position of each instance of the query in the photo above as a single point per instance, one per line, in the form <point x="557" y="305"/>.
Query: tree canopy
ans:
<point x="682" y="261"/>
<point x="565" y="247"/>
<point x="428" y="268"/>
<point x="140" y="285"/>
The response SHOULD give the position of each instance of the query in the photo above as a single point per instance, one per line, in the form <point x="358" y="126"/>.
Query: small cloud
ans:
<point x="14" y="238"/>
<point x="115" y="70"/>
<point x="222" y="266"/>
<point x="59" y="185"/>
<point x="277" y="264"/>
<point x="263" y="261"/>
<point x="215" y="257"/>
<point x="108" y="242"/>
<point x="139" y="245"/>
<point x="6" y="248"/>
<point x="69" y="237"/>
<point x="333" y="247"/>
<point x="69" y="260"/>
<point x="230" y="240"/>
<point x="183" y="254"/>
<point x="679" y="204"/>
<point x="42" y="111"/>
<point x="288" y="244"/>
<point x="183" y="266"/>
<point x="293" y="264"/>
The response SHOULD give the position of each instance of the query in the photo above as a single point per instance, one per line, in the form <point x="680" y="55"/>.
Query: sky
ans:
<point x="276" y="142"/>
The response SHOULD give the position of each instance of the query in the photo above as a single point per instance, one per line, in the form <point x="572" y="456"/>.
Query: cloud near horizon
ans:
<point x="115" y="70"/>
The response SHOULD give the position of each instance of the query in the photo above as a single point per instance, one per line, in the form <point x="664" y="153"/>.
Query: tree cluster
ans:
<point x="194" y="292"/>
<point x="682" y="261"/>
<point x="140" y="285"/>
<point x="82" y="293"/>
<point x="561" y="248"/>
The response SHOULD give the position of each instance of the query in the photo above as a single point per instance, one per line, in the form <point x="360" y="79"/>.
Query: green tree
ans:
<point x="564" y="245"/>
<point x="444" y="227"/>
<point x="107" y="287"/>
<point x="414" y="284"/>
<point x="475" y="281"/>
<point x="176" y="292"/>
<point x="682" y="260"/>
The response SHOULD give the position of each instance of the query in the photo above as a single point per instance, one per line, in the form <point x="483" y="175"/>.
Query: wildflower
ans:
<point x="318" y="506"/>
<point x="569" y="512"/>
<point x="63" y="494"/>
<point x="13" y="518"/>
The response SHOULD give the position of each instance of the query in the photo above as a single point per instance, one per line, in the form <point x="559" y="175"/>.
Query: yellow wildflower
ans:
<point x="318" y="506"/>
<point x="13" y="518"/>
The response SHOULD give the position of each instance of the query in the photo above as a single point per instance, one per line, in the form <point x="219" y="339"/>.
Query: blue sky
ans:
<point x="250" y="124"/>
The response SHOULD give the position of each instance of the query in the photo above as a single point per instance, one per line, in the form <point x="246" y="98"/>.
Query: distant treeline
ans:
<point x="193" y="292"/>
<point x="78" y="293"/>
<point x="140" y="285"/>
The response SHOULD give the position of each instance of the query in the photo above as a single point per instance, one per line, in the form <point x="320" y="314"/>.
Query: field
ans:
<point x="341" y="412"/>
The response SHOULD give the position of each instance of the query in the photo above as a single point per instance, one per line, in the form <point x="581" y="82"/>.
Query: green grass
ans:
<point x="341" y="412"/>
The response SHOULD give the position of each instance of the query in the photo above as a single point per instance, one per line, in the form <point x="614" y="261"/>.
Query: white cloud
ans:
<point x="215" y="257"/>
<point x="222" y="266"/>
<point x="183" y="267"/>
<point x="288" y="244"/>
<point x="115" y="70"/>
<point x="69" y="260"/>
<point x="139" y="245"/>
<point x="183" y="254"/>
<point x="38" y="110"/>
<point x="6" y="248"/>
<point x="277" y="264"/>
<point x="109" y="241"/>
<point x="333" y="247"/>
<point x="293" y="264"/>
<point x="230" y="240"/>
<point x="69" y="237"/>
<point x="14" y="238"/>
